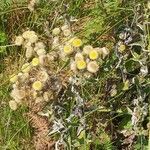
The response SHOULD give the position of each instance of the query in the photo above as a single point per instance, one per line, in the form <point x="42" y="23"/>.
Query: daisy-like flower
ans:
<point x="67" y="32"/>
<point x="42" y="76"/>
<point x="19" y="40"/>
<point x="87" y="49"/>
<point x="81" y="64"/>
<point x="35" y="62"/>
<point x="41" y="52"/>
<point x="13" y="105"/>
<point x="78" y="56"/>
<point x="121" y="48"/>
<point x="37" y="85"/>
<point x="93" y="54"/>
<point x="26" y="68"/>
<point x="77" y="42"/>
<point x="68" y="49"/>
<point x="56" y="31"/>
<point x="13" y="78"/>
<point x="92" y="67"/>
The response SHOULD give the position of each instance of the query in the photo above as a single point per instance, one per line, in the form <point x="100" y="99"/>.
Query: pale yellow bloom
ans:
<point x="42" y="76"/>
<point x="73" y="66"/>
<point x="37" y="85"/>
<point x="13" y="105"/>
<point x="81" y="64"/>
<point x="92" y="66"/>
<point x="105" y="51"/>
<point x="35" y="62"/>
<point x="29" y="52"/>
<point x="19" y="40"/>
<point x="27" y="34"/>
<point x="77" y="42"/>
<point x="68" y="49"/>
<point x="121" y="48"/>
<point x="126" y="85"/>
<point x="26" y="68"/>
<point x="56" y="31"/>
<point x="40" y="45"/>
<point x="64" y="27"/>
<point x="93" y="54"/>
<point x="13" y="78"/>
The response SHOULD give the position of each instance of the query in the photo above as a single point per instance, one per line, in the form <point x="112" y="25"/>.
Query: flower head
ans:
<point x="56" y="31"/>
<point x="121" y="48"/>
<point x="41" y="52"/>
<point x="26" y="68"/>
<point x="35" y="62"/>
<point x="13" y="105"/>
<point x="68" y="49"/>
<point x="81" y="64"/>
<point x="92" y="67"/>
<point x="87" y="49"/>
<point x="93" y="54"/>
<point x="37" y="85"/>
<point x="78" y="56"/>
<point x="19" y="40"/>
<point x="77" y="42"/>
<point x="67" y="32"/>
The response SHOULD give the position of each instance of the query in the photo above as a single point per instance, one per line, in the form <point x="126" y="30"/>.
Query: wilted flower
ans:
<point x="26" y="68"/>
<point x="17" y="94"/>
<point x="13" y="105"/>
<point x="39" y="99"/>
<point x="37" y="85"/>
<point x="64" y="27"/>
<point x="92" y="67"/>
<point x="42" y="76"/>
<point x="66" y="32"/>
<point x="68" y="49"/>
<point x="19" y="40"/>
<point x="40" y="45"/>
<point x="105" y="51"/>
<point x="41" y="52"/>
<point x="93" y="54"/>
<point x="78" y="56"/>
<point x="73" y="66"/>
<point x="29" y="52"/>
<point x="87" y="49"/>
<point x="35" y="62"/>
<point x="76" y="42"/>
<point x="56" y="31"/>
<point x="81" y="64"/>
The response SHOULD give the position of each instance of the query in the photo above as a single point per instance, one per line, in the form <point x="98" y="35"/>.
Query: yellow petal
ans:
<point x="93" y="54"/>
<point x="37" y="85"/>
<point x="81" y="64"/>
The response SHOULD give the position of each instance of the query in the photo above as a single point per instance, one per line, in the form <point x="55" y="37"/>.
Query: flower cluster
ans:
<point x="32" y="83"/>
<point x="84" y="59"/>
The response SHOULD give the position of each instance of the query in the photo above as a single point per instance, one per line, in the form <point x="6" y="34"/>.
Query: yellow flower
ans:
<point x="37" y="85"/>
<point x="92" y="67"/>
<point x="121" y="48"/>
<point x="26" y="68"/>
<point x="81" y="64"/>
<point x="56" y="31"/>
<point x="68" y="49"/>
<point x="13" y="78"/>
<point x="35" y="61"/>
<point x="76" y="42"/>
<point x="87" y="49"/>
<point x="13" y="105"/>
<point x="93" y="54"/>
